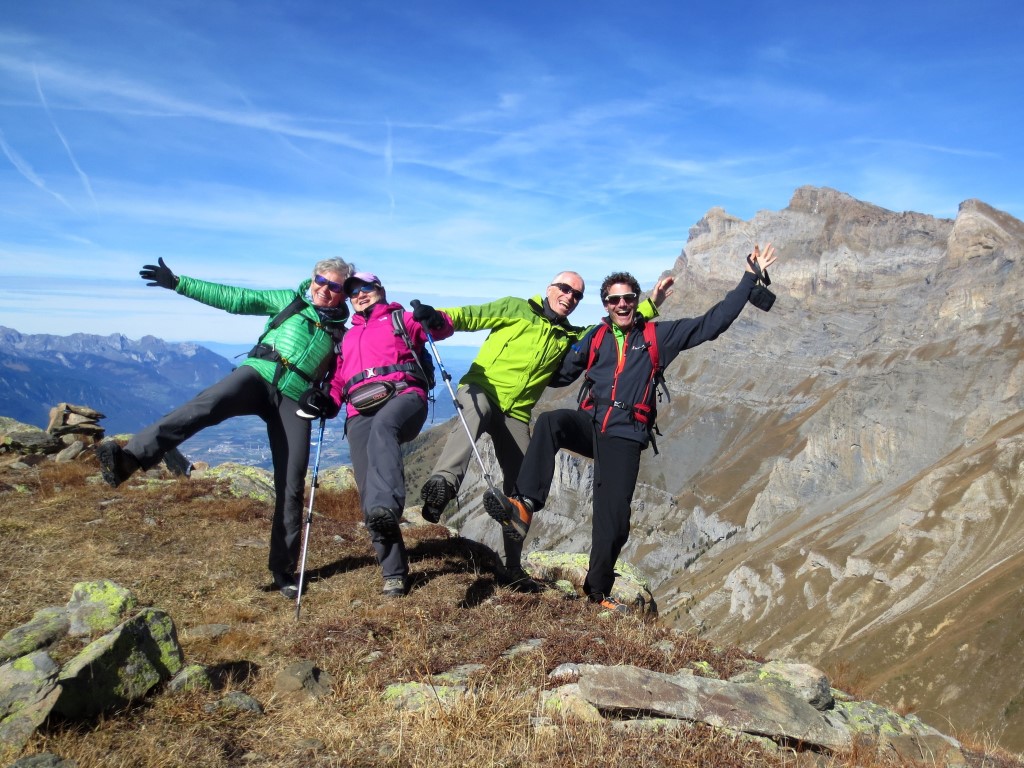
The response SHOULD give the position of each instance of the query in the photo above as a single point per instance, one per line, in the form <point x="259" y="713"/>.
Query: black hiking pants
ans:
<point x="243" y="392"/>
<point x="616" y="466"/>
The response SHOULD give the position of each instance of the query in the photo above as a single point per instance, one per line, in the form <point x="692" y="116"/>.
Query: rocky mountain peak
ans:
<point x="839" y="479"/>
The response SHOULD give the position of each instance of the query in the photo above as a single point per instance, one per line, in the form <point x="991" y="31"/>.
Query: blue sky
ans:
<point x="463" y="150"/>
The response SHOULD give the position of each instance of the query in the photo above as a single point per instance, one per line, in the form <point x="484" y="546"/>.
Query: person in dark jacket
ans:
<point x="382" y="384"/>
<point x="612" y="425"/>
<point x="297" y="348"/>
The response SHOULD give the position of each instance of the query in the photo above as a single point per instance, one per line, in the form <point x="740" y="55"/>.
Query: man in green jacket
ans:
<point x="527" y="341"/>
<point x="296" y="350"/>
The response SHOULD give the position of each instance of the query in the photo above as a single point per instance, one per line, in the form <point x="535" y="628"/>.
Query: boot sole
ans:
<point x="107" y="466"/>
<point x="503" y="513"/>
<point x="435" y="495"/>
<point x="385" y="525"/>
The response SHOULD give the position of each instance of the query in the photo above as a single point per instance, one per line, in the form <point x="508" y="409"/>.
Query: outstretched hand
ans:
<point x="763" y="260"/>
<point x="160" y="274"/>
<point x="662" y="290"/>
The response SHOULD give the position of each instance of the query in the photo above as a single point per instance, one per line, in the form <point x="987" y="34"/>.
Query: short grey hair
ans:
<point x="336" y="264"/>
<point x="555" y="279"/>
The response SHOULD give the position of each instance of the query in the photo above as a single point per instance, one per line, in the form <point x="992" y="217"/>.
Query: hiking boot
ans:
<point x="384" y="522"/>
<point x="513" y="513"/>
<point x="116" y="464"/>
<point x="287" y="584"/>
<point x="518" y="580"/>
<point x="394" y="587"/>
<point x="610" y="603"/>
<point x="436" y="494"/>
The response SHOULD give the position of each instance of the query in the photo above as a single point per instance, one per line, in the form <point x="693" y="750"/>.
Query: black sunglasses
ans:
<point x="330" y="284"/>
<point x="568" y="289"/>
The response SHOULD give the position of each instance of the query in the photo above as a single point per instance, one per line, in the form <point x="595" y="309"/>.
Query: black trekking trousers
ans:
<point x="616" y="466"/>
<point x="243" y="392"/>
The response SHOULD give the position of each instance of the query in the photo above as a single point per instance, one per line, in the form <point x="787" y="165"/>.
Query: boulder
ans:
<point x="749" y="708"/>
<point x="47" y="626"/>
<point x="28" y="693"/>
<point x="98" y="606"/>
<point x="30" y="441"/>
<point x="805" y="681"/>
<point x="303" y="679"/>
<point x="121" y="666"/>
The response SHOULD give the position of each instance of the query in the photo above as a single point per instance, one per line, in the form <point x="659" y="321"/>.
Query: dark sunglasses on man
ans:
<point x="568" y="290"/>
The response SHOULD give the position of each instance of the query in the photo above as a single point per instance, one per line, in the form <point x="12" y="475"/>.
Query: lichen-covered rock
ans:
<point x="806" y="681"/>
<point x="749" y="708"/>
<point x="28" y="693"/>
<point x="417" y="696"/>
<point x="566" y="703"/>
<point x="244" y="481"/>
<point x="121" y="666"/>
<point x="235" y="702"/>
<point x="339" y="478"/>
<point x="192" y="677"/>
<point x="631" y="586"/>
<point x="30" y="441"/>
<point x="906" y="737"/>
<point x="98" y="606"/>
<point x="47" y="626"/>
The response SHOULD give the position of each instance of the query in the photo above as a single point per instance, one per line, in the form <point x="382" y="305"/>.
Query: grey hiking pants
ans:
<point x="375" y="447"/>
<point x="243" y="392"/>
<point x="510" y="438"/>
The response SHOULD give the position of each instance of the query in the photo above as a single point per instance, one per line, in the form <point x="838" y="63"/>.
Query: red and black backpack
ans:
<point x="643" y="412"/>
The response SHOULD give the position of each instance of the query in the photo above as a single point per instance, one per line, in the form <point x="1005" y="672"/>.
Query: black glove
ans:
<point x="317" y="404"/>
<point x="427" y="316"/>
<point x="160" y="275"/>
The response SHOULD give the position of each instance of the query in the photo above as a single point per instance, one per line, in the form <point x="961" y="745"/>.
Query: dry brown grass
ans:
<point x="184" y="547"/>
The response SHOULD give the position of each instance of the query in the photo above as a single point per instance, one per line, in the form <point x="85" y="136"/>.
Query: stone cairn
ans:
<point x="68" y="419"/>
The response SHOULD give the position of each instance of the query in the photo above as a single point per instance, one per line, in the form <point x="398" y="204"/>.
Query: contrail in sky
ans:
<point x="67" y="147"/>
<point x="26" y="170"/>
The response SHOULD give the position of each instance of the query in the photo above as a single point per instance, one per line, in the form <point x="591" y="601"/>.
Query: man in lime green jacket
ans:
<point x="296" y="350"/>
<point x="528" y="339"/>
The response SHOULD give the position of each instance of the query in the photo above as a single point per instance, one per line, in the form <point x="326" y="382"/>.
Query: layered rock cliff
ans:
<point x="840" y="479"/>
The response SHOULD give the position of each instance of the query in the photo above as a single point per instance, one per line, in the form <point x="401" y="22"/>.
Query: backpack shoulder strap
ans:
<point x="293" y="308"/>
<point x="651" y="337"/>
<point x="595" y="344"/>
<point x="398" y="321"/>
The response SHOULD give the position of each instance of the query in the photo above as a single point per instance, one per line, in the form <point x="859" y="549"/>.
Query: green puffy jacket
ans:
<point x="304" y="341"/>
<point x="522" y="351"/>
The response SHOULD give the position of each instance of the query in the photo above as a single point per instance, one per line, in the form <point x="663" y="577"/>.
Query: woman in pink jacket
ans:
<point x="381" y="383"/>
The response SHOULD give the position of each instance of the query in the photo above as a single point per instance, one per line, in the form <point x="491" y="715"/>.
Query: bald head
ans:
<point x="565" y="292"/>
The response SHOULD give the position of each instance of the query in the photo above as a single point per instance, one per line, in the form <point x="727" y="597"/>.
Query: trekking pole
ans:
<point x="309" y="517"/>
<point x="458" y="406"/>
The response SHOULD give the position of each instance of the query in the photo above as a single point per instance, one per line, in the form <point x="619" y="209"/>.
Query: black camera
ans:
<point x="760" y="296"/>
